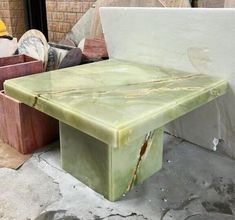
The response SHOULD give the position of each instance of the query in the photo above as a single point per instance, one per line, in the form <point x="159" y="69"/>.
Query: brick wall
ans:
<point x="63" y="14"/>
<point x="12" y="13"/>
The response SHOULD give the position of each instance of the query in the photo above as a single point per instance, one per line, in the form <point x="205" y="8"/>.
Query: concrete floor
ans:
<point x="194" y="184"/>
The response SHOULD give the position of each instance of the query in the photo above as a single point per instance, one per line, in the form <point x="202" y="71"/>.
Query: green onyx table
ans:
<point x="112" y="115"/>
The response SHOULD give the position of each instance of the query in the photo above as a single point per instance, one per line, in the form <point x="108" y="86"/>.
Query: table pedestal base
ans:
<point x="110" y="171"/>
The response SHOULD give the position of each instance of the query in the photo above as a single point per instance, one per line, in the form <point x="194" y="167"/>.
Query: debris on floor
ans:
<point x="10" y="157"/>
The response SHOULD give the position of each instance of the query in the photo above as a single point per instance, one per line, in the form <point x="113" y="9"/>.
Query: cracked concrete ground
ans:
<point x="194" y="184"/>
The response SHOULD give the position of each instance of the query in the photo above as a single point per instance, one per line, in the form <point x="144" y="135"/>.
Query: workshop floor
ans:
<point x="194" y="184"/>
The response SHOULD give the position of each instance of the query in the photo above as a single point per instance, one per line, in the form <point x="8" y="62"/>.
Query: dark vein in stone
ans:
<point x="36" y="100"/>
<point x="142" y="152"/>
<point x="125" y="85"/>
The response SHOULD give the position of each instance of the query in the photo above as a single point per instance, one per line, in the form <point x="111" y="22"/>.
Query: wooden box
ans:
<point x="23" y="127"/>
<point x="18" y="65"/>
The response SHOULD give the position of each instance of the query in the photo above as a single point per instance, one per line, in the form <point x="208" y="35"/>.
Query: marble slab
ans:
<point x="34" y="44"/>
<point x="191" y="40"/>
<point x="116" y="101"/>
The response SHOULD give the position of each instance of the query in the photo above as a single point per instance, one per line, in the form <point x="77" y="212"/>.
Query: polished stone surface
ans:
<point x="116" y="101"/>
<point x="110" y="171"/>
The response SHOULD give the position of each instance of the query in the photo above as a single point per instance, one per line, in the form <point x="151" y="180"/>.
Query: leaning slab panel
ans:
<point x="192" y="40"/>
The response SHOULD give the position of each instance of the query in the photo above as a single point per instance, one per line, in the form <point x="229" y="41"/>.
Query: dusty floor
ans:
<point x="194" y="184"/>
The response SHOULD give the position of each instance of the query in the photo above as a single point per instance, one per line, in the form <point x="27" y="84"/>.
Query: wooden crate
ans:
<point x="18" y="65"/>
<point x="23" y="127"/>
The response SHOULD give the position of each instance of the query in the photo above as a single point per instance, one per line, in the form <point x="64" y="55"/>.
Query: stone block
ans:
<point x="108" y="170"/>
<point x="23" y="127"/>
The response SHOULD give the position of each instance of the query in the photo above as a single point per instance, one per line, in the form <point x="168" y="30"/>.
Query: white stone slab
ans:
<point x="194" y="40"/>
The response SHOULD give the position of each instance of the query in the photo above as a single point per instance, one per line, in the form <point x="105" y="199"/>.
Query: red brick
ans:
<point x="53" y="26"/>
<point x="5" y="13"/>
<point x="63" y="7"/>
<point x="51" y="6"/>
<point x="86" y="6"/>
<point x="4" y="5"/>
<point x="70" y="17"/>
<point x="57" y="16"/>
<point x="64" y="27"/>
<point x="49" y="16"/>
<point x="50" y="35"/>
<point x="58" y="36"/>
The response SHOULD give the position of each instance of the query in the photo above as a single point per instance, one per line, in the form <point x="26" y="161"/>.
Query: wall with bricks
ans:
<point x="63" y="14"/>
<point x="12" y="13"/>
